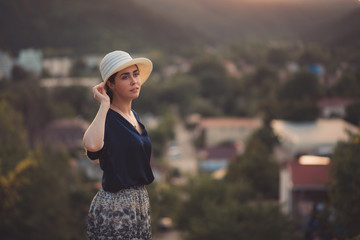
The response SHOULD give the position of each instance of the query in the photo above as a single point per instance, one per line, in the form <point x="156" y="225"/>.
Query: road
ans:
<point x="182" y="154"/>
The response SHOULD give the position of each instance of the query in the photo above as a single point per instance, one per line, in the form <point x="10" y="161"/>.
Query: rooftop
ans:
<point x="230" y="122"/>
<point x="309" y="135"/>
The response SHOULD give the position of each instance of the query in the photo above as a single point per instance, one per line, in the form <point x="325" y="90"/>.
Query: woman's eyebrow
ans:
<point x="128" y="73"/>
<point x="125" y="73"/>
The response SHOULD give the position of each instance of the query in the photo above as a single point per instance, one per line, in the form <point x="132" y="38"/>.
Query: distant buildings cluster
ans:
<point x="34" y="63"/>
<point x="304" y="155"/>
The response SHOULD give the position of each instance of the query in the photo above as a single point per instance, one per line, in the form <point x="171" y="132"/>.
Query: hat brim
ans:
<point x="144" y="64"/>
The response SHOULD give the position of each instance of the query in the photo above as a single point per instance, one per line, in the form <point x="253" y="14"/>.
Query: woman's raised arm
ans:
<point x="93" y="139"/>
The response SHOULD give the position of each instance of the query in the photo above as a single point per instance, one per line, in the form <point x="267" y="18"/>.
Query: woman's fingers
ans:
<point x="100" y="93"/>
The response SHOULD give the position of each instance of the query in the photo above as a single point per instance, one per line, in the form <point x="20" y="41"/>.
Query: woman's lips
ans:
<point x="135" y="90"/>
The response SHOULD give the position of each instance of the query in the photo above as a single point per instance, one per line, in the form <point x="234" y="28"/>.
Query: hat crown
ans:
<point x="112" y="61"/>
<point x="118" y="60"/>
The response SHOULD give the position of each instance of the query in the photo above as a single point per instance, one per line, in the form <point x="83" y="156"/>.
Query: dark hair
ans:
<point x="108" y="90"/>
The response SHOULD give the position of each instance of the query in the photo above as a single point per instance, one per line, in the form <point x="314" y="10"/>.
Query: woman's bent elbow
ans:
<point x="93" y="147"/>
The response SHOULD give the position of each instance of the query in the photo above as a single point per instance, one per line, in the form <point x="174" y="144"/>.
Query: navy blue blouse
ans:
<point x="125" y="156"/>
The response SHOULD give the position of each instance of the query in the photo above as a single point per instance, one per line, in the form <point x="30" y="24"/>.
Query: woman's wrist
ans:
<point x="105" y="105"/>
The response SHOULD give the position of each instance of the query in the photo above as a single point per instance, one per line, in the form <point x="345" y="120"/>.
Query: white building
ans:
<point x="219" y="130"/>
<point x="58" y="67"/>
<point x="317" y="137"/>
<point x="31" y="60"/>
<point x="6" y="65"/>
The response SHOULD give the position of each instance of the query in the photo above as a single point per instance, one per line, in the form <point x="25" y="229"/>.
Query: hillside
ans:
<point x="230" y="20"/>
<point x="343" y="32"/>
<point x="88" y="26"/>
<point x="73" y="27"/>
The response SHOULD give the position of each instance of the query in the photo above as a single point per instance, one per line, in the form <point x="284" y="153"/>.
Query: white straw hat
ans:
<point x="118" y="60"/>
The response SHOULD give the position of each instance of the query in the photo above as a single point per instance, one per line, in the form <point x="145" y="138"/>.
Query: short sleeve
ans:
<point x="94" y="155"/>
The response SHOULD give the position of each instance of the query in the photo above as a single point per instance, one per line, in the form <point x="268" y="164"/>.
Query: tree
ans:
<point x="352" y="113"/>
<point x="218" y="210"/>
<point x="213" y="79"/>
<point x="256" y="168"/>
<point x="297" y="97"/>
<point x="41" y="196"/>
<point x="52" y="205"/>
<point x="277" y="57"/>
<point x="314" y="54"/>
<point x="345" y="185"/>
<point x="303" y="85"/>
<point x="181" y="90"/>
<point x="165" y="201"/>
<point x="13" y="138"/>
<point x="233" y="221"/>
<point x="347" y="86"/>
<point x="32" y="103"/>
<point x="162" y="134"/>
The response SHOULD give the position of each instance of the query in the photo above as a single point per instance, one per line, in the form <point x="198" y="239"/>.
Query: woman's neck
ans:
<point x="124" y="107"/>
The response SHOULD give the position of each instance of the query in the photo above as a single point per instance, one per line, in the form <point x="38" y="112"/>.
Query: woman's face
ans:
<point x="127" y="83"/>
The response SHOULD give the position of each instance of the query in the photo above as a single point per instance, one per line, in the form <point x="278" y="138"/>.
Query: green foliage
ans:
<point x="13" y="139"/>
<point x="241" y="222"/>
<point x="42" y="196"/>
<point x="265" y="135"/>
<point x="347" y="86"/>
<point x="161" y="135"/>
<point x="52" y="205"/>
<point x="297" y="111"/>
<point x="200" y="191"/>
<point x="277" y="57"/>
<point x="256" y="168"/>
<point x="213" y="211"/>
<point x="72" y="102"/>
<point x="12" y="181"/>
<point x="31" y="101"/>
<point x="314" y="54"/>
<point x="165" y="201"/>
<point x="345" y="187"/>
<point x="352" y="113"/>
<point x="297" y="96"/>
<point x="303" y="85"/>
<point x="212" y="77"/>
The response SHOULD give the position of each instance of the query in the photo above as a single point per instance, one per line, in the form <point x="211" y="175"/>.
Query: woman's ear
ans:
<point x="109" y="84"/>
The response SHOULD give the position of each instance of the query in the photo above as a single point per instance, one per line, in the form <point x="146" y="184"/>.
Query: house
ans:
<point x="216" y="131"/>
<point x="303" y="187"/>
<point x="304" y="154"/>
<point x="217" y="157"/>
<point x="333" y="107"/>
<point x="316" y="137"/>
<point x="66" y="132"/>
<point x="57" y="67"/>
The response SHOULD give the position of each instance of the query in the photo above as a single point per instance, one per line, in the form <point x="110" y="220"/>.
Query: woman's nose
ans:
<point x="134" y="79"/>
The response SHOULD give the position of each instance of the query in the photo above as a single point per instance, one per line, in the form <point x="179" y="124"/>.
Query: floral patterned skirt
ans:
<point x="121" y="215"/>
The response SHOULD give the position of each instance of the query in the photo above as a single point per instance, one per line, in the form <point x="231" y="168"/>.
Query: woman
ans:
<point x="120" y="210"/>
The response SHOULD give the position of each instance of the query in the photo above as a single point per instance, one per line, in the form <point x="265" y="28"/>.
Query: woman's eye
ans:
<point x="136" y="74"/>
<point x="125" y="77"/>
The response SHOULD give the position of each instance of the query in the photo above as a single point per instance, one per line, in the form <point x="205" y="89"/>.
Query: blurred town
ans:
<point x="250" y="140"/>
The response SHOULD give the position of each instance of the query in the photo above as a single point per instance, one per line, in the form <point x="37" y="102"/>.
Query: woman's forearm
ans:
<point x="93" y="139"/>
